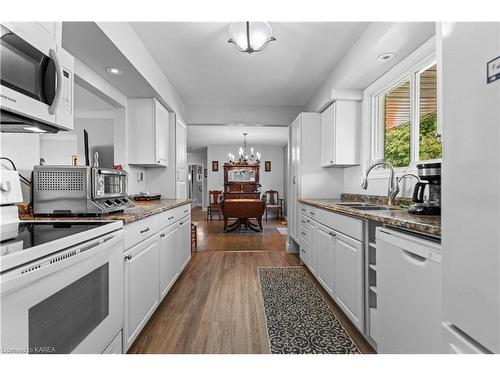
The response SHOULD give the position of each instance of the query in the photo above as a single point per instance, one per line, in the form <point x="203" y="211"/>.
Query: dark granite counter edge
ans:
<point x="130" y="218"/>
<point x="143" y="211"/>
<point x="423" y="228"/>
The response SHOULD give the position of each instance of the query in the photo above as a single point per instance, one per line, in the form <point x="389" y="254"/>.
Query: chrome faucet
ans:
<point x="395" y="192"/>
<point x="392" y="185"/>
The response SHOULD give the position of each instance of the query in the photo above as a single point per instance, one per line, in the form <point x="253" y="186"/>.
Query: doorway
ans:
<point x="196" y="185"/>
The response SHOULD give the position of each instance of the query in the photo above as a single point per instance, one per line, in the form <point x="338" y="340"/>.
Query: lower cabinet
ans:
<point x="141" y="287"/>
<point x="184" y="242"/>
<point x="151" y="268"/>
<point x="169" y="258"/>
<point x="336" y="260"/>
<point x="348" y="277"/>
<point x="324" y="249"/>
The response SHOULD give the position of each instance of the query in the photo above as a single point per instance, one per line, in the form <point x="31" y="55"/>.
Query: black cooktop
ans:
<point x="30" y="234"/>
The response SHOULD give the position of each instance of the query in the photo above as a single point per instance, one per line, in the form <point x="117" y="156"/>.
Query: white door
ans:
<point x="328" y="135"/>
<point x="169" y="262"/>
<point x="181" y="159"/>
<point x="161" y="133"/>
<point x="348" y="277"/>
<point x="184" y="242"/>
<point x="324" y="257"/>
<point x="141" y="287"/>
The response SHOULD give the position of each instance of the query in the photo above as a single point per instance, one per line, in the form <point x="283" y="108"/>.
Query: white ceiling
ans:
<point x="205" y="69"/>
<point x="86" y="101"/>
<point x="207" y="135"/>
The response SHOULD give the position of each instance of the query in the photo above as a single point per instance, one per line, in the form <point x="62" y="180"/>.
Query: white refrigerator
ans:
<point x="470" y="111"/>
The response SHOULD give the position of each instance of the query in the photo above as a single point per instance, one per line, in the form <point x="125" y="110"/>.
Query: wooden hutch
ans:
<point x="241" y="180"/>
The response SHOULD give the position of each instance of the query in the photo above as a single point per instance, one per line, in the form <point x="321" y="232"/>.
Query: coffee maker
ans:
<point x="427" y="193"/>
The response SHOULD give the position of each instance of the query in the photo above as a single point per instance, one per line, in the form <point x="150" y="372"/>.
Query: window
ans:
<point x="403" y="112"/>
<point x="429" y="148"/>
<point x="395" y="105"/>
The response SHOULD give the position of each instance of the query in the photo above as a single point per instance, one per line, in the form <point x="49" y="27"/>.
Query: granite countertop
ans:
<point x="425" y="224"/>
<point x="140" y="211"/>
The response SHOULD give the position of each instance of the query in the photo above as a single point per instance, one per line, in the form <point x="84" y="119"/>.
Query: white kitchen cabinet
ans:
<point x="307" y="179"/>
<point x="169" y="258"/>
<point x="141" y="287"/>
<point x="148" y="132"/>
<point x="181" y="159"/>
<point x="324" y="249"/>
<point x="340" y="134"/>
<point x="335" y="257"/>
<point x="348" y="277"/>
<point x="184" y="242"/>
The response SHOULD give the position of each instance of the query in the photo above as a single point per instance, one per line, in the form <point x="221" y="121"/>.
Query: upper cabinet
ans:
<point x="340" y="134"/>
<point x="148" y="132"/>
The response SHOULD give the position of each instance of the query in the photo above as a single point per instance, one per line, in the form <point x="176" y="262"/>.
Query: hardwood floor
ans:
<point x="216" y="306"/>
<point x="212" y="238"/>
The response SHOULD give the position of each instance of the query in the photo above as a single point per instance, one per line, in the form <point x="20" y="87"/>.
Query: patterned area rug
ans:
<point x="298" y="318"/>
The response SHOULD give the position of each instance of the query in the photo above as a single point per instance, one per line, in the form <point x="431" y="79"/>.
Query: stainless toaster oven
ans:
<point x="78" y="190"/>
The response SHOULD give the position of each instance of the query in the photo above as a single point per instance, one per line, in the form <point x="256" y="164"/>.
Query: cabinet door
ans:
<point x="161" y="134"/>
<point x="324" y="256"/>
<point x="184" y="242"/>
<point x="294" y="177"/>
<point x="328" y="136"/>
<point x="181" y="159"/>
<point x="141" y="287"/>
<point x="348" y="277"/>
<point x="169" y="262"/>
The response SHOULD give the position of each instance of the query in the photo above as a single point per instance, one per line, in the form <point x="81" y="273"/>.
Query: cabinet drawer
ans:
<point x="307" y="210"/>
<point x="304" y="221"/>
<point x="169" y="217"/>
<point x="304" y="234"/>
<point x="140" y="230"/>
<point x="341" y="223"/>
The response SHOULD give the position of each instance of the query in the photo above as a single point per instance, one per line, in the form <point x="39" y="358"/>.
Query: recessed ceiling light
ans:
<point x="114" y="70"/>
<point x="385" y="57"/>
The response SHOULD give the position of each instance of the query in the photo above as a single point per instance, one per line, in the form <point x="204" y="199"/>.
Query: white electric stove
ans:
<point x="61" y="282"/>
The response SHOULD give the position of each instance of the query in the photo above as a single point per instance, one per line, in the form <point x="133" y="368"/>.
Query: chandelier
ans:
<point x="250" y="37"/>
<point x="243" y="157"/>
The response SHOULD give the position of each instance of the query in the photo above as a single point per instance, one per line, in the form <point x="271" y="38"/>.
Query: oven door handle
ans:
<point x="50" y="264"/>
<point x="59" y="81"/>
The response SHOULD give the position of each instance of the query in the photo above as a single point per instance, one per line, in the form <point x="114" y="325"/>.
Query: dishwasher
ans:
<point x="409" y="293"/>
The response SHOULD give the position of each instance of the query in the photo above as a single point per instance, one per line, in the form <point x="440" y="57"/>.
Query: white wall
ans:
<point x="359" y="69"/>
<point x="24" y="150"/>
<point x="273" y="180"/>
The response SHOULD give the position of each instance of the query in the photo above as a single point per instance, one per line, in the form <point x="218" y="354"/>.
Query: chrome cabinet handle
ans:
<point x="57" y="97"/>
<point x="186" y="211"/>
<point x="162" y="235"/>
<point x="170" y="218"/>
<point x="294" y="180"/>
<point x="312" y="213"/>
<point x="308" y="221"/>
<point x="128" y="257"/>
<point x="332" y="234"/>
<point x="303" y="233"/>
<point x="145" y="230"/>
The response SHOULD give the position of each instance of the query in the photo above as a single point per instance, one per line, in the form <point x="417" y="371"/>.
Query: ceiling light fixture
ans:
<point x="243" y="157"/>
<point x="114" y="71"/>
<point x="385" y="57"/>
<point x="250" y="37"/>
